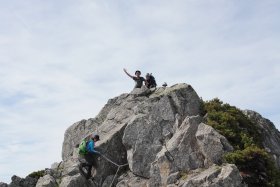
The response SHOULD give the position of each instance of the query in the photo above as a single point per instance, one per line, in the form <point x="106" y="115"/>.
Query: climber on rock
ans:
<point x="138" y="80"/>
<point x="87" y="155"/>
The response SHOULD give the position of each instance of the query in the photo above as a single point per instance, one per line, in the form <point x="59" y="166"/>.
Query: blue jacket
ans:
<point x="90" y="147"/>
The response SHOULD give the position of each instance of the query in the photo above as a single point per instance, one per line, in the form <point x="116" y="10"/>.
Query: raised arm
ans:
<point x="127" y="73"/>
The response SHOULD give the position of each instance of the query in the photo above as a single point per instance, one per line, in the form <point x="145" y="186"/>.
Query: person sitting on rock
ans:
<point x="87" y="157"/>
<point x="150" y="81"/>
<point x="138" y="80"/>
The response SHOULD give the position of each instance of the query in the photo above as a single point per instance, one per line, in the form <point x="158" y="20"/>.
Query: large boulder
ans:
<point x="46" y="181"/>
<point x="147" y="132"/>
<point x="23" y="182"/>
<point x="2" y="184"/>
<point x="133" y="125"/>
<point x="76" y="181"/>
<point x="109" y="124"/>
<point x="194" y="145"/>
<point x="130" y="180"/>
<point x="116" y="112"/>
<point x="215" y="176"/>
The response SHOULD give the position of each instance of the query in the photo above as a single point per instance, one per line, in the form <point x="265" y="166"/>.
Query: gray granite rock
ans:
<point x="130" y="180"/>
<point x="2" y="184"/>
<point x="23" y="182"/>
<point x="215" y="176"/>
<point x="46" y="181"/>
<point x="270" y="135"/>
<point x="194" y="145"/>
<point x="158" y="133"/>
<point x="76" y="181"/>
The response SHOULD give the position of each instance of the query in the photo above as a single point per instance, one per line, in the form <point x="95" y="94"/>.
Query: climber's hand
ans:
<point x="96" y="152"/>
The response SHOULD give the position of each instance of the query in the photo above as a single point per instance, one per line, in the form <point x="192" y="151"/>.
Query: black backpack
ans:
<point x="152" y="81"/>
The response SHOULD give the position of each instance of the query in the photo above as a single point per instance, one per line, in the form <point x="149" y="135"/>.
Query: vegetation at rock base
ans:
<point x="255" y="164"/>
<point x="37" y="174"/>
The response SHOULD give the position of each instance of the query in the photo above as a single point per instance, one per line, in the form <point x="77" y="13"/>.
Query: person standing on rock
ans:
<point x="87" y="154"/>
<point x="137" y="78"/>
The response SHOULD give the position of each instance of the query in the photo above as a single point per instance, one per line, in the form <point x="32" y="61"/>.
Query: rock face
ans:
<point x="3" y="184"/>
<point x="194" y="145"/>
<point x="46" y="181"/>
<point x="214" y="176"/>
<point x="159" y="133"/>
<point x="20" y="182"/>
<point x="270" y="135"/>
<point x="159" y="138"/>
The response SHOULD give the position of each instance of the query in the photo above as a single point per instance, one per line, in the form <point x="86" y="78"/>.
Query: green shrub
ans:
<point x="37" y="174"/>
<point x="254" y="163"/>
<point x="256" y="166"/>
<point x="231" y="123"/>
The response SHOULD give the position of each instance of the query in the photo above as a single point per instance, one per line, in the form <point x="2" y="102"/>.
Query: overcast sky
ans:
<point x="60" y="61"/>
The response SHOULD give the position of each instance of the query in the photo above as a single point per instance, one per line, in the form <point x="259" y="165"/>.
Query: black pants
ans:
<point x="87" y="163"/>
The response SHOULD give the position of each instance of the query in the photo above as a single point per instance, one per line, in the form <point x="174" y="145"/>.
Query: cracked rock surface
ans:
<point x="161" y="136"/>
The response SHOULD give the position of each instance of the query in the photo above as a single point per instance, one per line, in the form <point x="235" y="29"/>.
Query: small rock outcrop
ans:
<point x="195" y="145"/>
<point x="270" y="135"/>
<point x="215" y="176"/>
<point x="23" y="182"/>
<point x="46" y="181"/>
<point x="2" y="184"/>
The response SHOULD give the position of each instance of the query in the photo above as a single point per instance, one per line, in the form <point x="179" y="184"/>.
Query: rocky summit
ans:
<point x="152" y="138"/>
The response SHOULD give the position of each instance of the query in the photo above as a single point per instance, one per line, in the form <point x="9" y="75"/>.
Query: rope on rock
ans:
<point x="118" y="165"/>
<point x="113" y="162"/>
<point x="106" y="158"/>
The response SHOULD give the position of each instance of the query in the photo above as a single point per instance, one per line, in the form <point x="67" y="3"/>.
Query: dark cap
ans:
<point x="96" y="137"/>
<point x="137" y="71"/>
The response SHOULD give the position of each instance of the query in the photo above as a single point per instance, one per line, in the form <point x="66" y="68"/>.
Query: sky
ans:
<point x="60" y="62"/>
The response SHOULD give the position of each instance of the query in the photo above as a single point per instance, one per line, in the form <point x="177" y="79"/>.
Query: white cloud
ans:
<point x="61" y="62"/>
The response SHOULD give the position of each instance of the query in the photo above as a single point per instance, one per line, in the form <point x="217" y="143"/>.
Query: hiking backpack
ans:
<point x="83" y="147"/>
<point x="152" y="80"/>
